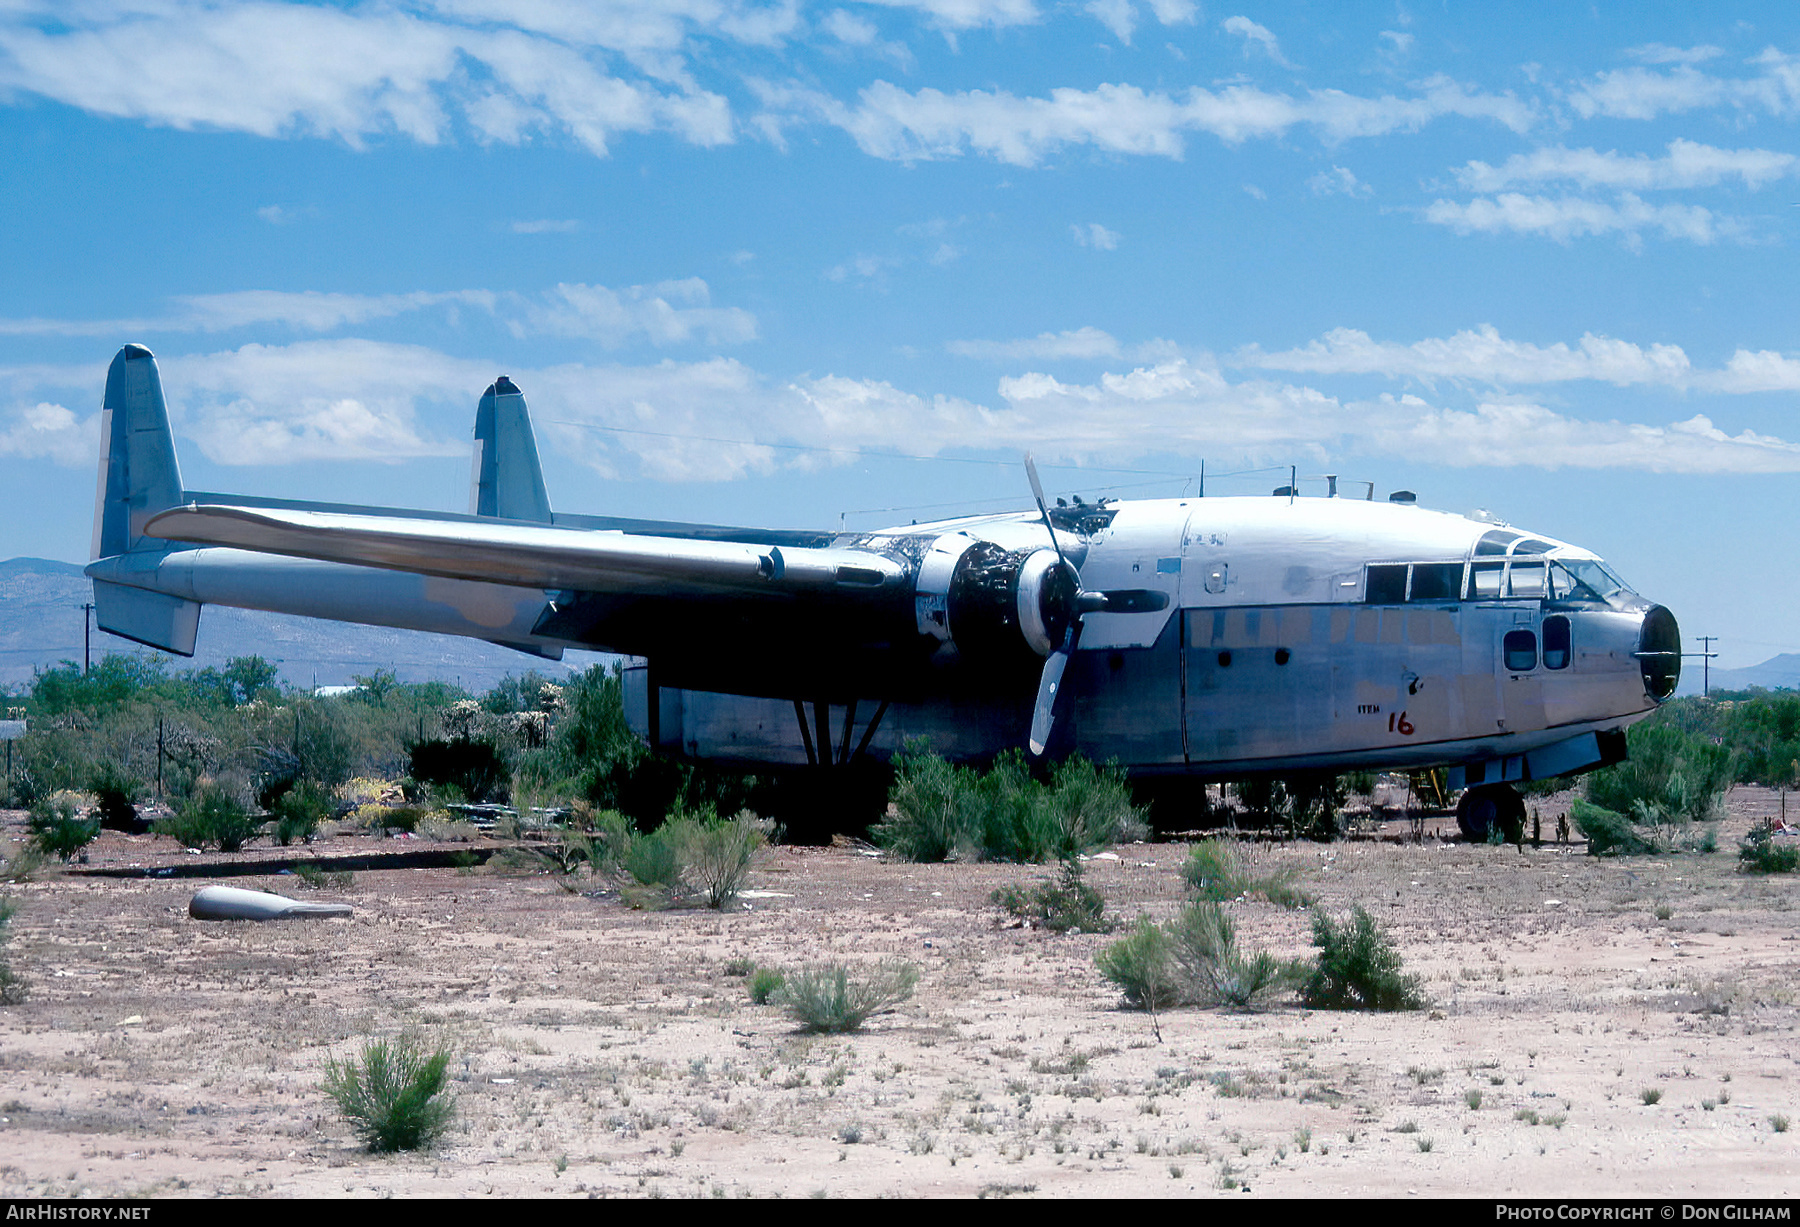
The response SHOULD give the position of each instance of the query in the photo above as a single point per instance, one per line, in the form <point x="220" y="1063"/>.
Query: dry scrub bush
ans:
<point x="393" y="1094"/>
<point x="1066" y="905"/>
<point x="1358" y="968"/>
<point x="827" y="998"/>
<point x="58" y="830"/>
<point x="1215" y="871"/>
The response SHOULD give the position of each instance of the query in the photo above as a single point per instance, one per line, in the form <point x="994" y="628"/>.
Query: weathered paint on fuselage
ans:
<point x="1270" y="655"/>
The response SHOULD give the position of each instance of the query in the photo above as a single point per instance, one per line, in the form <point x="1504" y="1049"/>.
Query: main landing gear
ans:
<point x="1488" y="808"/>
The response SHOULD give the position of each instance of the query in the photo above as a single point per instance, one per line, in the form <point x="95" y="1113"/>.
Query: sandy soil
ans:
<point x="605" y="1051"/>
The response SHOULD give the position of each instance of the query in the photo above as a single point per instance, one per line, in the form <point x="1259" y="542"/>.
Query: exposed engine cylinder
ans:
<point x="993" y="603"/>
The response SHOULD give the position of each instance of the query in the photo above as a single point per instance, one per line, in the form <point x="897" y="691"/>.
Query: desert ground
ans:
<point x="602" y="1051"/>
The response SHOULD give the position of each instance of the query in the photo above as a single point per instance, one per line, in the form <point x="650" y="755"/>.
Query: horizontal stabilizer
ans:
<point x="529" y="557"/>
<point x="153" y="618"/>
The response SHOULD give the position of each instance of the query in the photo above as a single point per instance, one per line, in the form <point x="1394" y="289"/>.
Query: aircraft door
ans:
<point x="1519" y="675"/>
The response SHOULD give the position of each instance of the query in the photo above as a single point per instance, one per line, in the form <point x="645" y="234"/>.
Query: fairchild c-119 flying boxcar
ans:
<point x="1199" y="638"/>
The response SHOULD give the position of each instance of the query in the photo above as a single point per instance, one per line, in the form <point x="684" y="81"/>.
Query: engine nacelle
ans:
<point x="993" y="603"/>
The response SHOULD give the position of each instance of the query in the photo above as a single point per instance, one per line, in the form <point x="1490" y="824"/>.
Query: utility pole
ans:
<point x="1706" y="659"/>
<point x="87" y="654"/>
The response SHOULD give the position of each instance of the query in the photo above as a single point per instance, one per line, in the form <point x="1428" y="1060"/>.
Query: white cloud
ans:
<point x="969" y="14"/>
<point x="281" y="215"/>
<point x="1116" y="15"/>
<point x="863" y="267"/>
<point x="46" y="431"/>
<point x="889" y="122"/>
<point x="1686" y="165"/>
<point x="1256" y="35"/>
<point x="1643" y="93"/>
<point x="1565" y="218"/>
<point x="1658" y="53"/>
<point x="284" y="70"/>
<point x="849" y="28"/>
<point x="1399" y="45"/>
<point x="719" y="419"/>
<point x="1193" y="408"/>
<point x="1175" y="12"/>
<point x="1096" y="236"/>
<point x="1086" y="342"/>
<point x="546" y="226"/>
<point x="1338" y="181"/>
<point x="668" y="313"/>
<point x="316" y="400"/>
<point x="1481" y="355"/>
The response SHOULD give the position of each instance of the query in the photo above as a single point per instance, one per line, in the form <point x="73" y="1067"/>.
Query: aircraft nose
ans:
<point x="1659" y="652"/>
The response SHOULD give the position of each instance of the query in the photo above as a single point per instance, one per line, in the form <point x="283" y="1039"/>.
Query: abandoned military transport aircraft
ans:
<point x="1201" y="638"/>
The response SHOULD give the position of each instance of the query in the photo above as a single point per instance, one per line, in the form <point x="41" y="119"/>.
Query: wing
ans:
<point x="529" y="556"/>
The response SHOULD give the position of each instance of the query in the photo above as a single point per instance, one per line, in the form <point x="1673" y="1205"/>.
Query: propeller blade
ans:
<point x="1043" y="713"/>
<point x="1037" y="492"/>
<point x="1043" y="716"/>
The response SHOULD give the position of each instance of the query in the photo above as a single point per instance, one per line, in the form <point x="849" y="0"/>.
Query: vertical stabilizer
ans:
<point x="508" y="481"/>
<point x="138" y="473"/>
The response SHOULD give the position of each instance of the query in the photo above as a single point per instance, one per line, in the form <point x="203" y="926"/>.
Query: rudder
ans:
<point x="508" y="481"/>
<point x="138" y="472"/>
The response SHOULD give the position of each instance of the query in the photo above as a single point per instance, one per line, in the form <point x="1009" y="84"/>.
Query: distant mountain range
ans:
<point x="40" y="626"/>
<point x="1776" y="673"/>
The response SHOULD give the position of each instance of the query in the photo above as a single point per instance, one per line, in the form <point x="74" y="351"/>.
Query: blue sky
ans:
<point x="809" y="264"/>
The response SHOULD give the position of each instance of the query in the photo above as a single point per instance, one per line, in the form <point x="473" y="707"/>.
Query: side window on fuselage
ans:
<point x="1520" y="650"/>
<point x="1387" y="584"/>
<point x="1436" y="581"/>
<point x="1556" y="642"/>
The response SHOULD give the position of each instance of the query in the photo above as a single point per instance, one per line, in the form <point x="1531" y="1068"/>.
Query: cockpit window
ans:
<point x="1484" y="581"/>
<point x="1526" y="579"/>
<point x="1589" y="579"/>
<point x="1531" y="545"/>
<point x="1494" y="541"/>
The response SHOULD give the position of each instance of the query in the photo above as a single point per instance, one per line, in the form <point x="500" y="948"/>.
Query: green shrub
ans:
<point x="1671" y="778"/>
<point x="299" y="810"/>
<point x="57" y="829"/>
<point x="1214" y="870"/>
<point x="764" y="983"/>
<point x="211" y="816"/>
<point x="393" y="1094"/>
<point x="1358" y="968"/>
<point x="1210" y="968"/>
<point x="937" y="810"/>
<point x="1065" y="905"/>
<point x="12" y="987"/>
<point x="1608" y="833"/>
<point x="1142" y="966"/>
<point x="716" y="855"/>
<point x="115" y="795"/>
<point x="1761" y="852"/>
<point x="945" y="812"/>
<point x="653" y="859"/>
<point x="827" y="998"/>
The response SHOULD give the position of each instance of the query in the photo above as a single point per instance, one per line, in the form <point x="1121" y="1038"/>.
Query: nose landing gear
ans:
<point x="1487" y="808"/>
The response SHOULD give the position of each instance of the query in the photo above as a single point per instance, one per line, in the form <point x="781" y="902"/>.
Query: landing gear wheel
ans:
<point x="1489" y="808"/>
